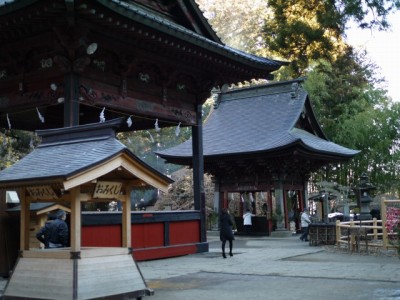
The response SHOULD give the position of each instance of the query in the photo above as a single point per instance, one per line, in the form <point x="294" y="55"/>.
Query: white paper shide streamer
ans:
<point x="9" y="123"/>
<point x="178" y="129"/>
<point x="129" y="121"/>
<point x="40" y="115"/>
<point x="156" y="127"/>
<point x="102" y="117"/>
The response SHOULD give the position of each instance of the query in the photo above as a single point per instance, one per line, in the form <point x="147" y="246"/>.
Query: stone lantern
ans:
<point x="363" y="194"/>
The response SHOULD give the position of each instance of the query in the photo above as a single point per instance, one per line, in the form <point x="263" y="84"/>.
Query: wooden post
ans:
<point x="375" y="231"/>
<point x="71" y="102"/>
<point x="384" y="230"/>
<point x="352" y="239"/>
<point x="24" y="221"/>
<point x="338" y="234"/>
<point x="126" y="219"/>
<point x="198" y="171"/>
<point x="225" y="200"/>
<point x="75" y="230"/>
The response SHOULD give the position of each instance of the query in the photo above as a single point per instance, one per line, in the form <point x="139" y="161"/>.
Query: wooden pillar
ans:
<point x="71" y="100"/>
<point x="24" y="221"/>
<point x="241" y="205"/>
<point x="253" y="203"/>
<point x="75" y="230"/>
<point x="279" y="197"/>
<point x="126" y="219"/>
<point x="285" y="208"/>
<point x="198" y="171"/>
<point x="270" y="211"/>
<point x="384" y="230"/>
<point x="225" y="199"/>
<point x="217" y="196"/>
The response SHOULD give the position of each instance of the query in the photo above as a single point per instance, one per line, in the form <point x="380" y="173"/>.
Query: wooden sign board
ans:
<point x="107" y="189"/>
<point x="42" y="192"/>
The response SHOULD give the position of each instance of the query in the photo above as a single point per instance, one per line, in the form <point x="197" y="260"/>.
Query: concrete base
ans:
<point x="281" y="233"/>
<point x="102" y="273"/>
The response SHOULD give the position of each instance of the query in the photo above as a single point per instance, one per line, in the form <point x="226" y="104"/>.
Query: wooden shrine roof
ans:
<point x="72" y="156"/>
<point x="266" y="122"/>
<point x="190" y="27"/>
<point x="153" y="59"/>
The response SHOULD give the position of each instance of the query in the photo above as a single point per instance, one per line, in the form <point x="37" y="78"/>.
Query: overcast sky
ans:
<point x="384" y="50"/>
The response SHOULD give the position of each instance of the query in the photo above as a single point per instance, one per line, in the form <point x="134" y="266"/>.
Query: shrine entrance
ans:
<point x="266" y="208"/>
<point x="259" y="204"/>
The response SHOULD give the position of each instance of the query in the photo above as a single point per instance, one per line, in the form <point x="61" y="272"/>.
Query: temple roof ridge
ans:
<point x="255" y="120"/>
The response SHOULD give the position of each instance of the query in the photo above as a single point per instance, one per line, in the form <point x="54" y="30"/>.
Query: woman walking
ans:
<point x="226" y="233"/>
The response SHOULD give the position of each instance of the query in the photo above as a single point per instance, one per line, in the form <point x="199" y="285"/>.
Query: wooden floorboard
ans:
<point x="97" y="277"/>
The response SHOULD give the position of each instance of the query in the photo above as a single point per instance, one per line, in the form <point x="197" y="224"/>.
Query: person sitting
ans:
<point x="59" y="233"/>
<point x="44" y="233"/>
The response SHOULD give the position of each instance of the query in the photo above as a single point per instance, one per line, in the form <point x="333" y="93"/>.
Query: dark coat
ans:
<point x="225" y="225"/>
<point x="43" y="234"/>
<point x="58" y="233"/>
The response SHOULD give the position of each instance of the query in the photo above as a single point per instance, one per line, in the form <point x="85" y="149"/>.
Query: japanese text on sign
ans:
<point x="43" y="192"/>
<point x="107" y="189"/>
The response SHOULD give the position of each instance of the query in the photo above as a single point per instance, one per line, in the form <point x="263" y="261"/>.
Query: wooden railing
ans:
<point x="384" y="204"/>
<point x="353" y="233"/>
<point x="366" y="233"/>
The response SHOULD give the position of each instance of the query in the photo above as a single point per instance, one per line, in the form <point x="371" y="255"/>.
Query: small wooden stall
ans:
<point x="71" y="166"/>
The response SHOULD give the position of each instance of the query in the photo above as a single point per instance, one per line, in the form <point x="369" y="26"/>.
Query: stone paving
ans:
<point x="272" y="268"/>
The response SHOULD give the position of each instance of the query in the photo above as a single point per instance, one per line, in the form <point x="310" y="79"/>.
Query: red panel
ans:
<point x="147" y="235"/>
<point x="163" y="252"/>
<point x="102" y="236"/>
<point x="186" y="232"/>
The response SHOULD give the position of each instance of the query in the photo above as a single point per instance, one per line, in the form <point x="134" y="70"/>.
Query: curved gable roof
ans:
<point x="70" y="156"/>
<point x="186" y="23"/>
<point x="261" y="119"/>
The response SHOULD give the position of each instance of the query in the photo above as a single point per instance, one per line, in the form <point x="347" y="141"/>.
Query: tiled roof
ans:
<point x="34" y="206"/>
<point x="63" y="160"/>
<point x="259" y="119"/>
<point x="67" y="151"/>
<point x="153" y="20"/>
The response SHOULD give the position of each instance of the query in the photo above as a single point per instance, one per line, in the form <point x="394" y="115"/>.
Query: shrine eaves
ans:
<point x="67" y="63"/>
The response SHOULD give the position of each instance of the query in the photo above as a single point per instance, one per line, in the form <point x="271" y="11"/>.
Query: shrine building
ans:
<point x="261" y="144"/>
<point x="71" y="63"/>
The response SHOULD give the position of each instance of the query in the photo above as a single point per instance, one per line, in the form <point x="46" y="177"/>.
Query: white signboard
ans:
<point x="42" y="192"/>
<point x="107" y="189"/>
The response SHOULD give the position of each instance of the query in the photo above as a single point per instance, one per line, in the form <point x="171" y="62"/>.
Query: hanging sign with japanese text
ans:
<point x="107" y="189"/>
<point x="42" y="192"/>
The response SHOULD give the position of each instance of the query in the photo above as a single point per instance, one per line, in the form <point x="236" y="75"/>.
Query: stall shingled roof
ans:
<point x="70" y="152"/>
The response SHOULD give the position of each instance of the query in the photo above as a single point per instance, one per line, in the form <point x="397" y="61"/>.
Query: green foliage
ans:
<point x="355" y="114"/>
<point x="303" y="31"/>
<point x="339" y="89"/>
<point x="146" y="142"/>
<point x="238" y="23"/>
<point x="346" y="93"/>
<point x="15" y="144"/>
